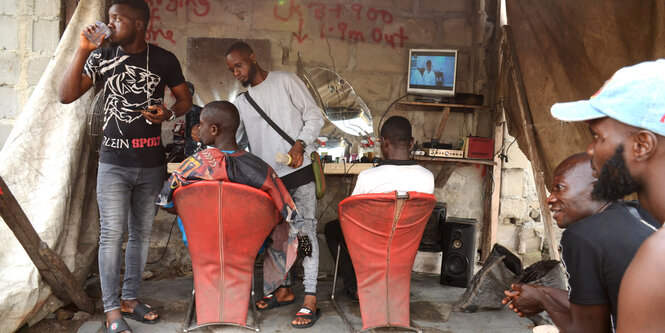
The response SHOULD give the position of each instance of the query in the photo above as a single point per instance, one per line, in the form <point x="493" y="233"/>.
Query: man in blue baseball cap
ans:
<point x="627" y="120"/>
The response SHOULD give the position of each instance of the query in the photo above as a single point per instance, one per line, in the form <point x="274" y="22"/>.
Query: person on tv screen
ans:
<point x="416" y="76"/>
<point x="429" y="79"/>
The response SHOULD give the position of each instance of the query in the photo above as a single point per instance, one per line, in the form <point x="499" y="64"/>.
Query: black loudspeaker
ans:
<point x="459" y="249"/>
<point x="431" y="241"/>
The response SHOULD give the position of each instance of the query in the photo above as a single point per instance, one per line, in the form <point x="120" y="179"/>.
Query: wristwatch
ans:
<point x="302" y="143"/>
<point x="172" y="115"/>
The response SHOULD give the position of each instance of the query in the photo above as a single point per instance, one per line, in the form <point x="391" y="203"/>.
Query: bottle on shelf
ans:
<point x="322" y="149"/>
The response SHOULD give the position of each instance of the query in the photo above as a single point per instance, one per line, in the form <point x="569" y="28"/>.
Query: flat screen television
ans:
<point x="432" y="72"/>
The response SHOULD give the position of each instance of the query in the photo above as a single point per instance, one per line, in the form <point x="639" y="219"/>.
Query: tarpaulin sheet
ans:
<point x="567" y="49"/>
<point x="48" y="165"/>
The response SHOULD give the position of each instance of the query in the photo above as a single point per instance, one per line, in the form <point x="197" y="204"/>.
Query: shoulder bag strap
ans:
<point x="268" y="120"/>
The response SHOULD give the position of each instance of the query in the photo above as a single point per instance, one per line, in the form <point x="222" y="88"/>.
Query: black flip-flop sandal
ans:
<point x="306" y="313"/>
<point x="272" y="302"/>
<point x="139" y="314"/>
<point x="117" y="326"/>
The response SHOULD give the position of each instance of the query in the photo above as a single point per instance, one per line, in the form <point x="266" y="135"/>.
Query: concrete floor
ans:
<point x="431" y="303"/>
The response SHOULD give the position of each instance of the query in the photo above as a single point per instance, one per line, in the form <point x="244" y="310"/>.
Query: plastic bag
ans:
<point x="501" y="269"/>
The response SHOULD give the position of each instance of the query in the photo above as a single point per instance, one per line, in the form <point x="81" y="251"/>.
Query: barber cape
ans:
<point x="244" y="168"/>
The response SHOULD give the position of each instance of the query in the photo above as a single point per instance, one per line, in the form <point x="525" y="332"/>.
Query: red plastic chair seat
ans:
<point x="382" y="232"/>
<point x="226" y="224"/>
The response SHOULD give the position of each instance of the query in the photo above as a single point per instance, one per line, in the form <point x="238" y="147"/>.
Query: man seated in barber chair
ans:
<point x="222" y="161"/>
<point x="397" y="172"/>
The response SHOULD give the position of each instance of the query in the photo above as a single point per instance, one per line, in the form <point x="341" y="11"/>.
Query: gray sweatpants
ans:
<point x="305" y="199"/>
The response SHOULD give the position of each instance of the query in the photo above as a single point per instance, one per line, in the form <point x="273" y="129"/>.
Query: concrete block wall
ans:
<point x="30" y="34"/>
<point x="520" y="222"/>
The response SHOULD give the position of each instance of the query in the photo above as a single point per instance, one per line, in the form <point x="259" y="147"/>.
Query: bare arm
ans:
<point x="642" y="292"/>
<point x="74" y="83"/>
<point x="528" y="300"/>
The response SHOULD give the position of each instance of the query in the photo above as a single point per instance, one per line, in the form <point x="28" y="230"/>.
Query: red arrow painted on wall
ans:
<point x="300" y="37"/>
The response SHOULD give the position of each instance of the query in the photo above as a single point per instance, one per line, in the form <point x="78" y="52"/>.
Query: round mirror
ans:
<point x="339" y="101"/>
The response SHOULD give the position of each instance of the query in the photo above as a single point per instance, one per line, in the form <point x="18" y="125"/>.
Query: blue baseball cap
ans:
<point x="634" y="95"/>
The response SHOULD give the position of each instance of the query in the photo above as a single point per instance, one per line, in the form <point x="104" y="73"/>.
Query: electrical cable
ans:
<point x="167" y="243"/>
<point x="385" y="112"/>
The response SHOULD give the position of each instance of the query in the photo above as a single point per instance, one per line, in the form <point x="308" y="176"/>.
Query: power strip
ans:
<point x="450" y="153"/>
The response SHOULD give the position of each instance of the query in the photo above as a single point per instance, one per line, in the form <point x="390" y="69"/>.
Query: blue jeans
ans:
<point x="126" y="198"/>
<point x="305" y="199"/>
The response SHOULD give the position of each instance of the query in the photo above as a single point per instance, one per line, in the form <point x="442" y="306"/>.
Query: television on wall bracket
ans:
<point x="432" y="74"/>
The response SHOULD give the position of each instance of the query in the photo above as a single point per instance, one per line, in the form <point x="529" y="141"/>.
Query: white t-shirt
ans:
<point x="429" y="78"/>
<point x="389" y="177"/>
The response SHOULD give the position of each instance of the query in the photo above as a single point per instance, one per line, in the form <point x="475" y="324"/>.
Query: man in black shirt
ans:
<point x="132" y="159"/>
<point x="600" y="240"/>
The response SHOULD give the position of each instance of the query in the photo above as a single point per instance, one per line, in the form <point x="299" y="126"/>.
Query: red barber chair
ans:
<point x="226" y="224"/>
<point x="382" y="232"/>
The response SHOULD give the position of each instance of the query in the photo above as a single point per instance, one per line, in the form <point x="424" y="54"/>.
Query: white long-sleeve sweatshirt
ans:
<point x="286" y="100"/>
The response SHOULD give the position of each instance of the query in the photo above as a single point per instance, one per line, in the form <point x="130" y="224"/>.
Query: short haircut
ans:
<point x="223" y="114"/>
<point x="397" y="129"/>
<point x="140" y="6"/>
<point x="429" y="62"/>
<point x="239" y="46"/>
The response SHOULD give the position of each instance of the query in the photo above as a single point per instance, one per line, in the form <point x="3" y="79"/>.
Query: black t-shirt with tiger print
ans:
<point x="132" y="82"/>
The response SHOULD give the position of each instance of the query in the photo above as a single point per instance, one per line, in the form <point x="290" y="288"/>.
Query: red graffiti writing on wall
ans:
<point x="151" y="34"/>
<point x="285" y="12"/>
<point x="198" y="7"/>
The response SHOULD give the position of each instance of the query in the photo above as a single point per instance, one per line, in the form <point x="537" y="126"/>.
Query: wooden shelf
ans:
<point x="425" y="106"/>
<point x="428" y="159"/>
<point x="351" y="168"/>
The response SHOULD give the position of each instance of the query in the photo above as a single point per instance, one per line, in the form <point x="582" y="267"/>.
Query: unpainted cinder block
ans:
<point x="457" y="32"/>
<point x="10" y="67"/>
<point x="9" y="35"/>
<point x="45" y="35"/>
<point x="446" y="6"/>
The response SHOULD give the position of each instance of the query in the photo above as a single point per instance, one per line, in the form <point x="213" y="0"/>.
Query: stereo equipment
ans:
<point x="431" y="241"/>
<point x="450" y="153"/>
<point x="459" y="249"/>
<point x="478" y="148"/>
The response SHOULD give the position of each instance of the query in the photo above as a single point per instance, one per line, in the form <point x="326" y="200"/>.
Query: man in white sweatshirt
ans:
<point x="283" y="97"/>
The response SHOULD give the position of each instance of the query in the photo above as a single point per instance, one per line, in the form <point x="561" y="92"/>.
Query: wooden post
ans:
<point x="526" y="124"/>
<point x="444" y="174"/>
<point x="50" y="265"/>
<point x="444" y="120"/>
<point x="493" y="194"/>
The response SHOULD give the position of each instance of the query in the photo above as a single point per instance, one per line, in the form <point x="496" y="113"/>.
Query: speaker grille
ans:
<point x="459" y="248"/>
<point x="456" y="263"/>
